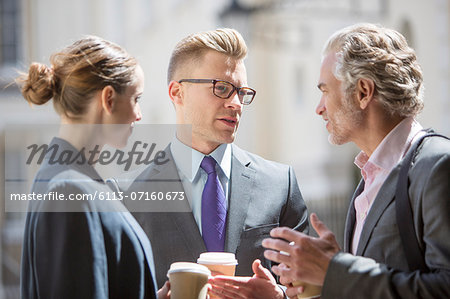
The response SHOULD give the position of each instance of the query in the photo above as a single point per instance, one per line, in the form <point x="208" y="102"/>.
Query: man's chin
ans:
<point x="231" y="138"/>
<point x="228" y="140"/>
<point x="228" y="137"/>
<point x="336" y="140"/>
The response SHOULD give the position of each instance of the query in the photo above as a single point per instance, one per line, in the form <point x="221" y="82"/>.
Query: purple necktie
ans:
<point x="214" y="210"/>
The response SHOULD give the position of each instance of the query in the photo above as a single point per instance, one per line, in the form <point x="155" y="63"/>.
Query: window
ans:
<point x="9" y="32"/>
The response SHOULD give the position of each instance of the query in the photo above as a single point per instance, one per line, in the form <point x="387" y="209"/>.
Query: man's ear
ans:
<point x="365" y="89"/>
<point x="108" y="96"/>
<point x="176" y="92"/>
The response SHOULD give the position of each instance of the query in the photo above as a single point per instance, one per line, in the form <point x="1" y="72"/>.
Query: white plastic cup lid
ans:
<point x="217" y="258"/>
<point x="188" y="267"/>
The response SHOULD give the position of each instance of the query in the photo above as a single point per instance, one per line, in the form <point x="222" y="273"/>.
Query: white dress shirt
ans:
<point x="193" y="177"/>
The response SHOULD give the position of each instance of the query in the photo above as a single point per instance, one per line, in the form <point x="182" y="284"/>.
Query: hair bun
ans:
<point x="39" y="85"/>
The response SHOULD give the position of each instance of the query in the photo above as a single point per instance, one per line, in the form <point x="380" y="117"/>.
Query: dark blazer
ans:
<point x="263" y="195"/>
<point x="86" y="254"/>
<point x="380" y="270"/>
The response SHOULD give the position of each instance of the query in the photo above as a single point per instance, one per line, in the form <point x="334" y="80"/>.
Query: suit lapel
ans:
<point x="166" y="171"/>
<point x="184" y="221"/>
<point x="351" y="217"/>
<point x="190" y="234"/>
<point x="384" y="197"/>
<point x="242" y="180"/>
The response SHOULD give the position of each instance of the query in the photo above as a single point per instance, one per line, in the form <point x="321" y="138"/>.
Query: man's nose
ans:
<point x="234" y="102"/>
<point x="320" y="109"/>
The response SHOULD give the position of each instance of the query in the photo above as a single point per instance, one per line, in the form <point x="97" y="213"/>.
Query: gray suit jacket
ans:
<point x="263" y="195"/>
<point x="85" y="254"/>
<point x="380" y="269"/>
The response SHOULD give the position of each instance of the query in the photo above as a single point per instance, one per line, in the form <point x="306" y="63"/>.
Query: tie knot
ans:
<point x="208" y="164"/>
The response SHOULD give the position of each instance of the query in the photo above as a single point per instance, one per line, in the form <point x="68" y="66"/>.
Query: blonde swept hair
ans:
<point x="76" y="73"/>
<point x="193" y="47"/>
<point x="382" y="55"/>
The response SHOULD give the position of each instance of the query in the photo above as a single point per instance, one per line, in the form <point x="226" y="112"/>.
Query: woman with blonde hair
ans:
<point x="83" y="249"/>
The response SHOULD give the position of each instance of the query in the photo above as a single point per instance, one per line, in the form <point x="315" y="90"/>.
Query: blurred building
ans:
<point x="285" y="38"/>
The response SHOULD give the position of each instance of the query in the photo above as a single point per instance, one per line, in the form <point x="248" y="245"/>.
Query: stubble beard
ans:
<point x="344" y="122"/>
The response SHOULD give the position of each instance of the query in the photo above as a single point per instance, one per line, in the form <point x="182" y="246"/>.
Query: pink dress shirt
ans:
<point x="376" y="168"/>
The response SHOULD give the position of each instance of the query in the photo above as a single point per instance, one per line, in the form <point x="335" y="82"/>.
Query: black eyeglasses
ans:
<point x="224" y="89"/>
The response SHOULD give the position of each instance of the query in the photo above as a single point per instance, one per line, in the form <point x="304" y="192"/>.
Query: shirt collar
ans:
<point x="222" y="155"/>
<point x="188" y="160"/>
<point x="393" y="146"/>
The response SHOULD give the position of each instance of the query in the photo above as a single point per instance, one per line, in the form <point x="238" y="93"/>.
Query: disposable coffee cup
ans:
<point x="309" y="290"/>
<point x="220" y="263"/>
<point x="188" y="280"/>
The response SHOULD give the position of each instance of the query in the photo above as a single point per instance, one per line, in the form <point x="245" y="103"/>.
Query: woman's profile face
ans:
<point x="126" y="111"/>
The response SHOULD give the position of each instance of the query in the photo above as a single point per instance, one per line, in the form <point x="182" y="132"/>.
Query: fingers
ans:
<point x="276" y="244"/>
<point x="255" y="266"/>
<point x="221" y="293"/>
<point x="320" y="227"/>
<point x="292" y="292"/>
<point x="323" y="231"/>
<point x="165" y="287"/>
<point x="277" y="257"/>
<point x="286" y="233"/>
<point x="260" y="271"/>
<point x="225" y="289"/>
<point x="228" y="286"/>
<point x="245" y="287"/>
<point x="223" y="281"/>
<point x="164" y="292"/>
<point x="284" y="273"/>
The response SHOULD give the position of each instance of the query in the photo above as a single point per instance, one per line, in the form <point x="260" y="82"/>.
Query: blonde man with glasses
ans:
<point x="236" y="197"/>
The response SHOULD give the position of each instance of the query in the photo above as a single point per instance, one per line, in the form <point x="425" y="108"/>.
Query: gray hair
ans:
<point x="382" y="55"/>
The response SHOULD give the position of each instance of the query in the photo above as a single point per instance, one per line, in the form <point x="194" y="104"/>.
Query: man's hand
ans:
<point x="308" y="258"/>
<point x="164" y="292"/>
<point x="293" y="292"/>
<point x="261" y="285"/>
